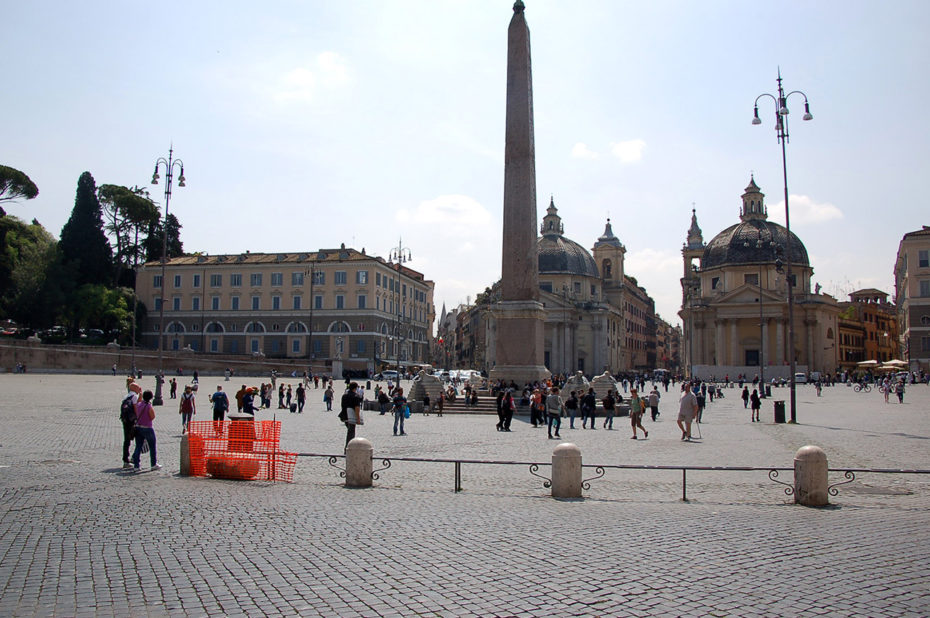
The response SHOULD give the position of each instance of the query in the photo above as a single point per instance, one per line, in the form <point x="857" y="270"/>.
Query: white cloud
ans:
<point x="581" y="151"/>
<point x="303" y="84"/>
<point x="629" y="151"/>
<point x="804" y="211"/>
<point x="449" y="215"/>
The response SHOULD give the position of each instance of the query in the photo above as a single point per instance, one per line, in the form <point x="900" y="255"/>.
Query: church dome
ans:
<point x="558" y="255"/>
<point x="739" y="244"/>
<point x="755" y="239"/>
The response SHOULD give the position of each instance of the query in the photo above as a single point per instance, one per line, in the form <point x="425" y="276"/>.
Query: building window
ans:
<point x="317" y="346"/>
<point x="195" y="303"/>
<point x="275" y="303"/>
<point x="196" y="281"/>
<point x="277" y="279"/>
<point x="215" y="303"/>
<point x="378" y="279"/>
<point x="256" y="303"/>
<point x="256" y="280"/>
<point x="925" y="344"/>
<point x="234" y="303"/>
<point x="715" y="283"/>
<point x="176" y="303"/>
<point x="361" y="277"/>
<point x="295" y="346"/>
<point x="360" y="347"/>
<point x="254" y="346"/>
<point x="545" y="286"/>
<point x="577" y="288"/>
<point x="339" y="277"/>
<point x="297" y="278"/>
<point x="362" y="301"/>
<point x="317" y="302"/>
<point x="157" y="304"/>
<point x="175" y="345"/>
<point x="923" y="258"/>
<point x="296" y="303"/>
<point x="340" y="301"/>
<point x="751" y="279"/>
<point x="925" y="288"/>
<point x="177" y="281"/>
<point x="216" y="281"/>
<point x="235" y="280"/>
<point x="404" y="290"/>
<point x="925" y="320"/>
<point x="156" y="281"/>
<point x="214" y="345"/>
<point x="319" y="277"/>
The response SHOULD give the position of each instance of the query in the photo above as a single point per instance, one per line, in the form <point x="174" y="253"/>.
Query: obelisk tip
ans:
<point x="518" y="6"/>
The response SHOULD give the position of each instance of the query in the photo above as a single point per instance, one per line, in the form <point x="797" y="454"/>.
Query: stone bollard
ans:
<point x="358" y="463"/>
<point x="810" y="476"/>
<point x="566" y="471"/>
<point x="185" y="455"/>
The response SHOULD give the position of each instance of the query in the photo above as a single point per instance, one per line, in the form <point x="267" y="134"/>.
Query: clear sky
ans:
<point x="303" y="124"/>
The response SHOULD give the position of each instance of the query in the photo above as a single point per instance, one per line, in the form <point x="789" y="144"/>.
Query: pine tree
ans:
<point x="83" y="242"/>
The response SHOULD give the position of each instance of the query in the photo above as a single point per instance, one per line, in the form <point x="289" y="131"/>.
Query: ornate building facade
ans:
<point x="734" y="300"/>
<point x="597" y="318"/>
<point x="330" y="305"/>
<point x="912" y="293"/>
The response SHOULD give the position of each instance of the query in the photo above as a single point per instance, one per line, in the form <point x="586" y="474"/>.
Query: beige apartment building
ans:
<point x="336" y="308"/>
<point x="912" y="292"/>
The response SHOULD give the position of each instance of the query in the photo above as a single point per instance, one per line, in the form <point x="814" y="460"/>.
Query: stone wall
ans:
<point x="40" y="357"/>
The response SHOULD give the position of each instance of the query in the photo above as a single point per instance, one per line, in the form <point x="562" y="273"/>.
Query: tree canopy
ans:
<point x="15" y="185"/>
<point x="83" y="241"/>
<point x="153" y="242"/>
<point x="128" y="212"/>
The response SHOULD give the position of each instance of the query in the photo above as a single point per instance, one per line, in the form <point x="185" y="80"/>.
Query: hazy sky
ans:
<point x="303" y="125"/>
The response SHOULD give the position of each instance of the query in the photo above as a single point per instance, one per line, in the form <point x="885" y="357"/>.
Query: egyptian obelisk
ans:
<point x="519" y="317"/>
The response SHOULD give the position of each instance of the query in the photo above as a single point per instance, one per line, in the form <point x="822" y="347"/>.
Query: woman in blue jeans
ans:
<point x="145" y="432"/>
<point x="400" y="403"/>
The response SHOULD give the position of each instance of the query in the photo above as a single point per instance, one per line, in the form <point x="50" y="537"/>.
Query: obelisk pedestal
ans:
<point x="519" y="316"/>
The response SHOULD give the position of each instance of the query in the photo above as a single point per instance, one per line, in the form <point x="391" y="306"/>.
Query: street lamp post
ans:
<point x="781" y="131"/>
<point x="694" y="285"/>
<point x="169" y="164"/>
<point x="760" y="244"/>
<point x="398" y="256"/>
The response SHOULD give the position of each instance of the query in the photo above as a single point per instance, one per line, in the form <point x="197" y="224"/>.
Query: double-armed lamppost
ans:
<point x="170" y="163"/>
<point x="760" y="245"/>
<point x="398" y="256"/>
<point x="781" y="131"/>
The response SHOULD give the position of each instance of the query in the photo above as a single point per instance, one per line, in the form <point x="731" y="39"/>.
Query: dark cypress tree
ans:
<point x="152" y="243"/>
<point x="83" y="242"/>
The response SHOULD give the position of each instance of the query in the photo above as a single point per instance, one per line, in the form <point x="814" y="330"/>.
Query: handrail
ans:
<point x="848" y="473"/>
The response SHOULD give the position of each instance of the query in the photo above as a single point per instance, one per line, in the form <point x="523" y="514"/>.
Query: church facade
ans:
<point x="734" y="301"/>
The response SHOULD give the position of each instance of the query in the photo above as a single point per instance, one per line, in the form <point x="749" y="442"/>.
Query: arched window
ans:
<point x="175" y="327"/>
<point x="607" y="268"/>
<point x="829" y="333"/>
<point x="339" y="327"/>
<point x="296" y="327"/>
<point x="214" y="327"/>
<point x="255" y="327"/>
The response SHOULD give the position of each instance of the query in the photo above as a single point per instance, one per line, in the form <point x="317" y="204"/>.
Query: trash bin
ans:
<point x="779" y="411"/>
<point x="768" y="390"/>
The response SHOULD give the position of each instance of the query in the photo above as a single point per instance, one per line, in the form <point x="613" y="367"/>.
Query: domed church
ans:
<point x="596" y="317"/>
<point x="735" y="305"/>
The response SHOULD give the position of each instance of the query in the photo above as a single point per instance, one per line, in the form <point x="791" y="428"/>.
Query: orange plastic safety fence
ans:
<point x="243" y="450"/>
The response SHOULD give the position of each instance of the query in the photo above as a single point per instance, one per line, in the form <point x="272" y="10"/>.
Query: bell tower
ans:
<point x="608" y="254"/>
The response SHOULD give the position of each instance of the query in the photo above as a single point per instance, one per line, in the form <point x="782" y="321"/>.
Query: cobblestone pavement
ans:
<point x="78" y="536"/>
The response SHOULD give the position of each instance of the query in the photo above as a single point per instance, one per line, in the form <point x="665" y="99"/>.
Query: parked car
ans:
<point x="387" y="374"/>
<point x="800" y="378"/>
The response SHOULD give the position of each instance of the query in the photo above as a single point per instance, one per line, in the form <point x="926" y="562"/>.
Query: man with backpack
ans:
<point x="127" y="416"/>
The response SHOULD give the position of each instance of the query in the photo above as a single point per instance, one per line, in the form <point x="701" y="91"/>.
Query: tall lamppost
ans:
<point x="781" y="132"/>
<point x="760" y="244"/>
<point x="169" y="164"/>
<point x="694" y="287"/>
<point x="398" y="256"/>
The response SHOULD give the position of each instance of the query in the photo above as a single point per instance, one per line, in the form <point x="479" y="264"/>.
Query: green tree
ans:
<point x="15" y="185"/>
<point x="97" y="306"/>
<point x="26" y="254"/>
<point x="83" y="242"/>
<point x="153" y="241"/>
<point x="128" y="212"/>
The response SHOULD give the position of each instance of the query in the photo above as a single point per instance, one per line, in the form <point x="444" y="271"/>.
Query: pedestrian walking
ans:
<point x="127" y="416"/>
<point x="899" y="391"/>
<point x="588" y="409"/>
<point x="220" y="406"/>
<point x="239" y="395"/>
<point x="400" y="408"/>
<point x="756" y="405"/>
<point x="654" y="398"/>
<point x="499" y="402"/>
<point x="350" y="411"/>
<point x="187" y="408"/>
<point x="328" y="397"/>
<point x="509" y="409"/>
<point x="609" y="404"/>
<point x="301" y="398"/>
<point x="554" y="411"/>
<point x="687" y="410"/>
<point x="637" y="408"/>
<point x="572" y="407"/>
<point x="745" y="397"/>
<point x="145" y="431"/>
